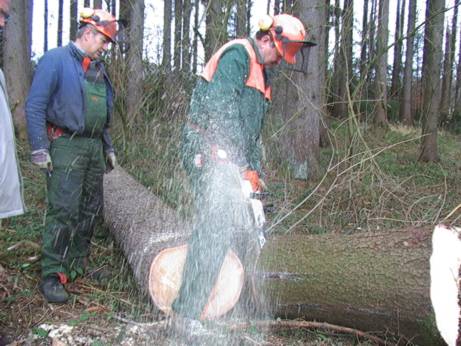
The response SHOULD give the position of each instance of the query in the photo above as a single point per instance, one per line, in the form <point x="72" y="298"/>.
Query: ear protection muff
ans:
<point x="278" y="32"/>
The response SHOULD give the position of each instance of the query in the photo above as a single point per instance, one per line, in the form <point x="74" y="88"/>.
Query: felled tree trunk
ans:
<point x="369" y="281"/>
<point x="141" y="223"/>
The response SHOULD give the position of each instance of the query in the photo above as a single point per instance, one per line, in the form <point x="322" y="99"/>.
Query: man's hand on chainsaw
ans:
<point x="257" y="184"/>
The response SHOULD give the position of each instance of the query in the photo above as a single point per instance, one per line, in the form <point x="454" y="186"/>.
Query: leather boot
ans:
<point x="53" y="290"/>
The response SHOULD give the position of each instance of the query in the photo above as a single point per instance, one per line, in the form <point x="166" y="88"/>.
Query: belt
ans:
<point x="54" y="132"/>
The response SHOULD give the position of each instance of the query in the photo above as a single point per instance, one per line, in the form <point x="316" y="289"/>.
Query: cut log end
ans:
<point x="445" y="282"/>
<point x="166" y="274"/>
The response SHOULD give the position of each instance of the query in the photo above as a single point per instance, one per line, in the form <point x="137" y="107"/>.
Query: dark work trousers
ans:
<point x="74" y="202"/>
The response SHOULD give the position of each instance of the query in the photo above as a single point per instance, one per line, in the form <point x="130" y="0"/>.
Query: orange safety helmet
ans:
<point x="288" y="34"/>
<point x="102" y="20"/>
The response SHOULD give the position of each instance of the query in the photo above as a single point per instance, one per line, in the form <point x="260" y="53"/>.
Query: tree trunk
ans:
<point x="60" y="19"/>
<point x="73" y="19"/>
<point x="406" y="114"/>
<point x="125" y="9"/>
<point x="343" y="59"/>
<point x="186" y="54"/>
<point x="195" y="41"/>
<point x="277" y="7"/>
<point x="445" y="101"/>
<point x="217" y="18"/>
<point x="372" y="54"/>
<point x="370" y="281"/>
<point x="97" y="4"/>
<point x="113" y="8"/>
<point x="166" y="59"/>
<point x="381" y="70"/>
<point x="135" y="67"/>
<point x="445" y="89"/>
<point x="196" y="36"/>
<point x="16" y="60"/>
<point x="302" y="142"/>
<point x="241" y="18"/>
<point x="177" y="34"/>
<point x="249" y="17"/>
<point x="45" y="27"/>
<point x="432" y="58"/>
<point x="457" y="109"/>
<point x="397" y="64"/>
<point x="364" y="44"/>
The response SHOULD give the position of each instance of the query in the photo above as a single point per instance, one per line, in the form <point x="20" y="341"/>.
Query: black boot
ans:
<point x="53" y="290"/>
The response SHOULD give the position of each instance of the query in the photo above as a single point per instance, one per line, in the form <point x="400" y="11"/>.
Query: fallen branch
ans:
<point x="283" y="325"/>
<point x="24" y="243"/>
<point x="140" y="324"/>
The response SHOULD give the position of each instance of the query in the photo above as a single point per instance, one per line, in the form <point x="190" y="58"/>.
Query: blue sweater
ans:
<point x="57" y="96"/>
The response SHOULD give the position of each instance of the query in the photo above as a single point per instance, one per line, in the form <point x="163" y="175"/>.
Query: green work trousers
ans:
<point x="222" y="219"/>
<point x="74" y="202"/>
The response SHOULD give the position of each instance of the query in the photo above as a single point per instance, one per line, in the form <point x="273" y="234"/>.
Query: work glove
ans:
<point x="111" y="161"/>
<point x="42" y="159"/>
<point x="257" y="184"/>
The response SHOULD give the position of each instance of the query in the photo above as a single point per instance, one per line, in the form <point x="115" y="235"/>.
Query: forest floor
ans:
<point x="115" y="312"/>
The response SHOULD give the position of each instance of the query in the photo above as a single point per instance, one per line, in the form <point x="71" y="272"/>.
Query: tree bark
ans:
<point x="302" y="142"/>
<point x="457" y="109"/>
<point x="166" y="59"/>
<point x="369" y="281"/>
<point x="432" y="58"/>
<point x="186" y="53"/>
<point x="97" y="4"/>
<point x="217" y="19"/>
<point x="73" y="19"/>
<point x="397" y="64"/>
<point x="364" y="44"/>
<point x="16" y="60"/>
<point x="60" y="20"/>
<point x="45" y="27"/>
<point x="445" y="89"/>
<point x="277" y="7"/>
<point x="177" y="34"/>
<point x="195" y="40"/>
<point x="113" y="8"/>
<point x="343" y="62"/>
<point x="406" y="114"/>
<point x="135" y="67"/>
<point x="381" y="70"/>
<point x="445" y="101"/>
<point x="241" y="18"/>
<point x="125" y="9"/>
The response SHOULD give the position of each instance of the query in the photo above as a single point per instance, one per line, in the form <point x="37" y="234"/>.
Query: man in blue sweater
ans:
<point x="68" y="113"/>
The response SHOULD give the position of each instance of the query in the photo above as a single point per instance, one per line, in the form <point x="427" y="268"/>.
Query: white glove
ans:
<point x="42" y="159"/>
<point x="111" y="161"/>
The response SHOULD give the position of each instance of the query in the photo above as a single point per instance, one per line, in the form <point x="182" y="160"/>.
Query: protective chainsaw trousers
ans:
<point x="74" y="202"/>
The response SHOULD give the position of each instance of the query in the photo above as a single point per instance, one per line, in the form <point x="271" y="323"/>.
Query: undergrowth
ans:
<point x="370" y="182"/>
